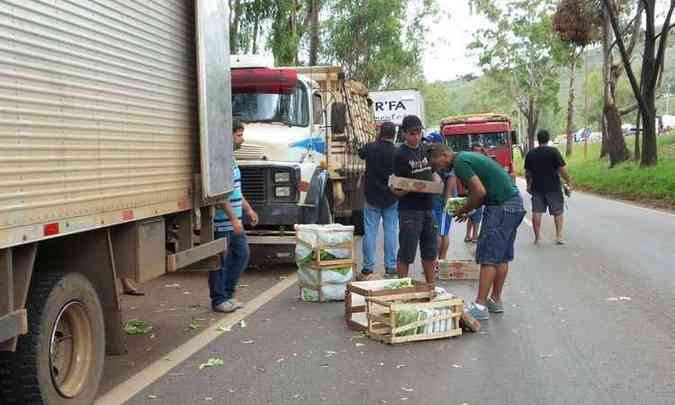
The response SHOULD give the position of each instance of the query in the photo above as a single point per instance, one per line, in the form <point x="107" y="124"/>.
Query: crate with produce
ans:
<point x="325" y="259"/>
<point x="358" y="291"/>
<point x="413" y="316"/>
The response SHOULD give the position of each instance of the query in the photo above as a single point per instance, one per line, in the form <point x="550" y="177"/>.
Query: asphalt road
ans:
<point x="591" y="322"/>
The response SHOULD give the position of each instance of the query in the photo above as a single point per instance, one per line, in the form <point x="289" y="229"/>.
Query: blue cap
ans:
<point x="434" y="137"/>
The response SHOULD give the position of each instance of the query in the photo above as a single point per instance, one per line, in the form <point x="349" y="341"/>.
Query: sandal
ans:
<point x="467" y="240"/>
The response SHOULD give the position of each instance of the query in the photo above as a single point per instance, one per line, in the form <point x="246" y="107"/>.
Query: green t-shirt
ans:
<point x="497" y="182"/>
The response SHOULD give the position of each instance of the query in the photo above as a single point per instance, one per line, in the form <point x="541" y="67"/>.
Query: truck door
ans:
<point x="215" y="108"/>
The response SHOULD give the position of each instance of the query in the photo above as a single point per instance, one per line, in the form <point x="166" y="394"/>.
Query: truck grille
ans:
<point x="254" y="184"/>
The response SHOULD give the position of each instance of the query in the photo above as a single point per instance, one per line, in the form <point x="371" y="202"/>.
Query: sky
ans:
<point x="445" y="57"/>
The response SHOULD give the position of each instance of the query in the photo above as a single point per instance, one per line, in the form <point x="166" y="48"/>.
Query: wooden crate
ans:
<point x="359" y="291"/>
<point x="317" y="262"/>
<point x="414" y="185"/>
<point x="458" y="269"/>
<point x="320" y="271"/>
<point x="382" y="312"/>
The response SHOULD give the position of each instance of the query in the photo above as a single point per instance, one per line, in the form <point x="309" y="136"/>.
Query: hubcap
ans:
<point x="71" y="349"/>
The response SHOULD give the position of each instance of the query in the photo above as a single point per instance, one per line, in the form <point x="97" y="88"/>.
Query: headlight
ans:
<point x="282" y="191"/>
<point x="282" y="177"/>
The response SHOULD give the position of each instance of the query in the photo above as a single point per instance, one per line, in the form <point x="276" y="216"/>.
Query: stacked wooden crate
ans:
<point x="322" y="279"/>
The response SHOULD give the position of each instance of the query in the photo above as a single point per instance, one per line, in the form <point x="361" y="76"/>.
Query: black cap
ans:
<point x="387" y="130"/>
<point x="411" y="122"/>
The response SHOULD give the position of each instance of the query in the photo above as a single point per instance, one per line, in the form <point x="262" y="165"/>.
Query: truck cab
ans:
<point x="294" y="163"/>
<point x="492" y="131"/>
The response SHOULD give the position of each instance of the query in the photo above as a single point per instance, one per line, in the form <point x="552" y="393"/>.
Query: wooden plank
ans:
<point x="201" y="252"/>
<point x="13" y="324"/>
<point x="206" y="224"/>
<point x="185" y="230"/>
<point x="6" y="282"/>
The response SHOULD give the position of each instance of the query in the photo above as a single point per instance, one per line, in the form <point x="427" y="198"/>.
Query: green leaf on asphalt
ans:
<point x="137" y="327"/>
<point x="212" y="362"/>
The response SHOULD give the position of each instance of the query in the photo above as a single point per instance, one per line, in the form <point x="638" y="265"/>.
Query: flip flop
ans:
<point x="467" y="240"/>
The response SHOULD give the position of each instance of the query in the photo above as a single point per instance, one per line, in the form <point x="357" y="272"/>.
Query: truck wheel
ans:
<point x="60" y="360"/>
<point x="325" y="214"/>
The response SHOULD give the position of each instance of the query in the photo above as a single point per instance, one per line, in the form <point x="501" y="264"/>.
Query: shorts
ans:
<point x="416" y="228"/>
<point x="443" y="221"/>
<point x="498" y="231"/>
<point x="554" y="201"/>
<point x="476" y="215"/>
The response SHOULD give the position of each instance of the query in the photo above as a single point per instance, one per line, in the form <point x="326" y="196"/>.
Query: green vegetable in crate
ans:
<point x="312" y="257"/>
<point x="455" y="203"/>
<point x="406" y="317"/>
<point x="399" y="284"/>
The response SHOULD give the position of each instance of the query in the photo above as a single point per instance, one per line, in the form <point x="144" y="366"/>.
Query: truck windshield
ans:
<point x="488" y="140"/>
<point x="290" y="109"/>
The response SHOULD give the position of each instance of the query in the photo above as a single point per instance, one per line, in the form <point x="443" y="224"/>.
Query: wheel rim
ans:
<point x="71" y="349"/>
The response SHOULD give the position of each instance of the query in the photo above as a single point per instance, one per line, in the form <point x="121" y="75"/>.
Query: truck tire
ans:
<point x="60" y="360"/>
<point x="325" y="213"/>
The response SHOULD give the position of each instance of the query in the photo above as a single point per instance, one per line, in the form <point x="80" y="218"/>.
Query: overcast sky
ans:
<point x="445" y="57"/>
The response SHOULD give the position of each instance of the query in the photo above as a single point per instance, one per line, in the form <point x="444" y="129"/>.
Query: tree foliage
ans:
<point x="520" y="48"/>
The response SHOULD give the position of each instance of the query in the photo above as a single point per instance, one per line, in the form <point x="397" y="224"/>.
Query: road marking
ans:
<point x="128" y="389"/>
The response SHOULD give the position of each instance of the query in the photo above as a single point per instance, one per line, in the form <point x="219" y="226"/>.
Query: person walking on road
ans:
<point x="223" y="282"/>
<point x="415" y="210"/>
<point x="443" y="219"/>
<point x="544" y="165"/>
<point x="491" y="186"/>
<point x="381" y="204"/>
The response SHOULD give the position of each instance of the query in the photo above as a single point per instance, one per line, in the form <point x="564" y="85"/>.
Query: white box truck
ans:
<point x="393" y="105"/>
<point x="115" y="130"/>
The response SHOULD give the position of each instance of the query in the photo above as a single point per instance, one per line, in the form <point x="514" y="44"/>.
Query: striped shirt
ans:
<point x="221" y="221"/>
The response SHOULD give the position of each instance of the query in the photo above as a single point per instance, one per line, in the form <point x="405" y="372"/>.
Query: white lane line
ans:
<point x="128" y="389"/>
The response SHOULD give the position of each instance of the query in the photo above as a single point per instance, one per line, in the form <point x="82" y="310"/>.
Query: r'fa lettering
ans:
<point x="389" y="105"/>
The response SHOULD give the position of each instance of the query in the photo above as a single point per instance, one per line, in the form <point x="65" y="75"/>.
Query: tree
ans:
<point x="373" y="41"/>
<point x="655" y="43"/>
<point x="520" y="47"/>
<point x="577" y="25"/>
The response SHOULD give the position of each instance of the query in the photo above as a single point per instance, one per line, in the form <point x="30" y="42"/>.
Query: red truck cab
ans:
<point x="492" y="131"/>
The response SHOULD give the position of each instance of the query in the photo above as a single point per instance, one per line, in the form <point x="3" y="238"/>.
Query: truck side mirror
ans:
<point x="514" y="138"/>
<point x="338" y="118"/>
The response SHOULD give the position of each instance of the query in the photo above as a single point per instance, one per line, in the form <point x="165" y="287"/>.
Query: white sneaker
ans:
<point x="226" y="307"/>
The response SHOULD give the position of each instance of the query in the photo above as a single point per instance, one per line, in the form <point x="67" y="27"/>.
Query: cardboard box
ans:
<point x="417" y="186"/>
<point x="458" y="269"/>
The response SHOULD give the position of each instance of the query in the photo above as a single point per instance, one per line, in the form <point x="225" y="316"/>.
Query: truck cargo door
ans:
<point x="215" y="108"/>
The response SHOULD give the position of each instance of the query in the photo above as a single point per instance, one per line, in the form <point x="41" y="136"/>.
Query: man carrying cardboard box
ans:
<point x="491" y="186"/>
<point x="415" y="210"/>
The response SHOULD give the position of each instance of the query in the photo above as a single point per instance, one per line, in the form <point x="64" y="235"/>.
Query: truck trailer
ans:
<point x="115" y="131"/>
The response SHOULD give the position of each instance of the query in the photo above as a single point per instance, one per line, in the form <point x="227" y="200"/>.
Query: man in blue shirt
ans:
<point x="223" y="282"/>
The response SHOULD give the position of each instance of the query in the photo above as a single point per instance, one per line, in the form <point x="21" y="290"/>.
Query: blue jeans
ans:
<point x="371" y="223"/>
<point x="222" y="282"/>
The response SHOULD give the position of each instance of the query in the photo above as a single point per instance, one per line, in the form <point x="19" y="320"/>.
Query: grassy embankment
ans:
<point x="654" y="185"/>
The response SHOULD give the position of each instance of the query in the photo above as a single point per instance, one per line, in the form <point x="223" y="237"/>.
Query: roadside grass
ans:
<point x="654" y="185"/>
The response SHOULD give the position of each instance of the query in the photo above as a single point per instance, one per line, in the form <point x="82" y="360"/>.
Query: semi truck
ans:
<point x="115" y="131"/>
<point x="299" y="161"/>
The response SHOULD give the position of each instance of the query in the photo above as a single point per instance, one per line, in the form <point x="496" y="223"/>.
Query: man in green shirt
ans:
<point x="488" y="185"/>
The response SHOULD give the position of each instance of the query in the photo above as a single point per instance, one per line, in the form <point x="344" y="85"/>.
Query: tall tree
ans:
<point x="655" y="44"/>
<point x="375" y="42"/>
<point x="577" y="25"/>
<point x="520" y="46"/>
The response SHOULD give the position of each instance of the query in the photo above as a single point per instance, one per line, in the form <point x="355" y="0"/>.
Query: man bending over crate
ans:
<point x="415" y="210"/>
<point x="491" y="186"/>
